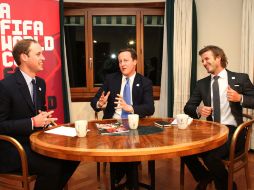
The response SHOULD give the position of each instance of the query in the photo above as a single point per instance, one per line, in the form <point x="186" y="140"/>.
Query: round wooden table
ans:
<point x="170" y="142"/>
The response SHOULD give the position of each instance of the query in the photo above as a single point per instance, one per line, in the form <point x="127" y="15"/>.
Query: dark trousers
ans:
<point x="52" y="174"/>
<point x="119" y="169"/>
<point x="213" y="161"/>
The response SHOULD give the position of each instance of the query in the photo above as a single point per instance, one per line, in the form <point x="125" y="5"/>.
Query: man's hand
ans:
<point x="232" y="95"/>
<point x="103" y="99"/>
<point x="205" y="111"/>
<point x="43" y="118"/>
<point x="121" y="104"/>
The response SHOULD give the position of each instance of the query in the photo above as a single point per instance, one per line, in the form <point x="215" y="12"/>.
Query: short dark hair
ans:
<point x="217" y="52"/>
<point x="132" y="52"/>
<point x="20" y="47"/>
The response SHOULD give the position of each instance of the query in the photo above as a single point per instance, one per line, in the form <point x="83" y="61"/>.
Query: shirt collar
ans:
<point x="222" y="74"/>
<point x="28" y="79"/>
<point x="130" y="78"/>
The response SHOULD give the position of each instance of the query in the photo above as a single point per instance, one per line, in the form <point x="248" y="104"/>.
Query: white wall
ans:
<point x="219" y="23"/>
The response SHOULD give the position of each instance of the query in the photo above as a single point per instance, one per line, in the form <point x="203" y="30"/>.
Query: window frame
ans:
<point x="83" y="94"/>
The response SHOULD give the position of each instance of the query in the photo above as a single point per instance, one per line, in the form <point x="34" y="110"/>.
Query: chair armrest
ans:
<point x="21" y="152"/>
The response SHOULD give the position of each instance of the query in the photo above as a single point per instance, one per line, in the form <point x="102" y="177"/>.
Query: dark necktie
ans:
<point x="216" y="99"/>
<point x="126" y="97"/>
<point x="34" y="95"/>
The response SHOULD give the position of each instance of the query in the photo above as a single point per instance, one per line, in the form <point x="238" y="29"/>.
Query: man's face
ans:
<point x="34" y="59"/>
<point x="126" y="64"/>
<point x="211" y="63"/>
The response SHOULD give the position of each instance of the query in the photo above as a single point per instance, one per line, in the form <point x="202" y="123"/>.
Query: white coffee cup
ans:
<point x="133" y="120"/>
<point x="81" y="128"/>
<point x="183" y="121"/>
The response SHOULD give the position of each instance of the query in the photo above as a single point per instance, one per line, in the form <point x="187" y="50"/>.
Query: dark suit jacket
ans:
<point x="16" y="111"/>
<point x="240" y="82"/>
<point x="142" y="95"/>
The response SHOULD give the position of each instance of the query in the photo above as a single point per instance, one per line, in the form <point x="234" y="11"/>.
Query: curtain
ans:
<point x="247" y="41"/>
<point x="179" y="63"/>
<point x="182" y="53"/>
<point x="170" y="41"/>
<point x="247" y="47"/>
<point x="194" y="48"/>
<point x="163" y="111"/>
<point x="65" y="79"/>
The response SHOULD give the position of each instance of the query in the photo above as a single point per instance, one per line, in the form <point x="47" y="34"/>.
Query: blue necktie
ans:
<point x="34" y="95"/>
<point x="126" y="97"/>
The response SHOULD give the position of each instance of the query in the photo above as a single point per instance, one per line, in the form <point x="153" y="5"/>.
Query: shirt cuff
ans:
<point x="32" y="123"/>
<point x="198" y="114"/>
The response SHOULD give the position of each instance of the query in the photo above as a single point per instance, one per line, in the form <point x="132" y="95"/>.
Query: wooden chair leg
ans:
<point x="98" y="172"/>
<point x="104" y="167"/>
<point x="247" y="176"/>
<point x="181" y="174"/>
<point x="230" y="177"/>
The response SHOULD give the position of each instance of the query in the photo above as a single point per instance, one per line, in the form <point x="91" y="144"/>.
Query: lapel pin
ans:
<point x="39" y="88"/>
<point x="233" y="78"/>
<point x="137" y="84"/>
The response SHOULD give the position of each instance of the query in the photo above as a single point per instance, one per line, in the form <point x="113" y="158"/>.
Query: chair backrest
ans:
<point x="24" y="176"/>
<point x="247" y="125"/>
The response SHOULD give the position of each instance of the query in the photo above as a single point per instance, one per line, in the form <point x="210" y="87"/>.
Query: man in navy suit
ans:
<point x="22" y="113"/>
<point x="235" y="92"/>
<point x="110" y="99"/>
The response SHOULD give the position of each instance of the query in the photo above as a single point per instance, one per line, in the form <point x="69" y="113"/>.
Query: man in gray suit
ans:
<point x="224" y="94"/>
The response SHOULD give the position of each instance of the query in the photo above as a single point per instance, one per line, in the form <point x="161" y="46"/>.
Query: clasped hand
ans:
<point x="43" y="118"/>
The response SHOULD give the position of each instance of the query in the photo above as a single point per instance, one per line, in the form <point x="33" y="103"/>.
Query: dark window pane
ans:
<point x="75" y="50"/>
<point x="109" y="36"/>
<point x="153" y="44"/>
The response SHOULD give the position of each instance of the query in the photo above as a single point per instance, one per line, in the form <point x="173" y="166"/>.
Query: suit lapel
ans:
<point x="23" y="88"/>
<point x="118" y="82"/>
<point x="207" y="89"/>
<point x="135" y="88"/>
<point x="231" y="79"/>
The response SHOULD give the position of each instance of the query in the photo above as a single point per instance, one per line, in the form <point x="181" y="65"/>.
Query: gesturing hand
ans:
<point x="121" y="104"/>
<point x="103" y="99"/>
<point x="232" y="95"/>
<point x="205" y="111"/>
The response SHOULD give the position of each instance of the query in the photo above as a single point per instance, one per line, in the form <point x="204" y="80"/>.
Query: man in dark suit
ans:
<point x="234" y="92"/>
<point x="22" y="112"/>
<point x="110" y="99"/>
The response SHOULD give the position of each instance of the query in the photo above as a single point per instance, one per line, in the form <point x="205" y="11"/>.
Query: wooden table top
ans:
<point x="199" y="137"/>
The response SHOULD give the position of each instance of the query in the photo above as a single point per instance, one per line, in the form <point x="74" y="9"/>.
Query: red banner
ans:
<point x="39" y="20"/>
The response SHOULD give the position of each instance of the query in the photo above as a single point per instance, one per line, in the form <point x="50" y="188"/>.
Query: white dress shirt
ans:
<point x="225" y="111"/>
<point x="118" y="112"/>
